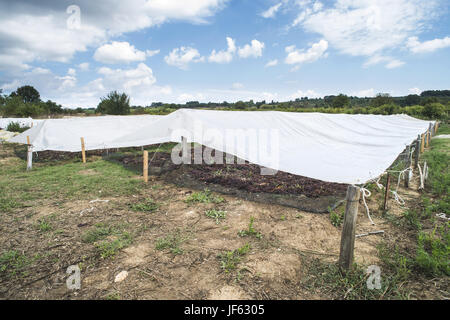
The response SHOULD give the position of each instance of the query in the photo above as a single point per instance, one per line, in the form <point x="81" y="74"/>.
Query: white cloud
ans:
<point x="237" y="86"/>
<point x="183" y="56"/>
<point x="34" y="31"/>
<point x="394" y="64"/>
<point x="120" y="52"/>
<point x="224" y="56"/>
<point x="151" y="53"/>
<point x="251" y="50"/>
<point x="427" y="46"/>
<point x="314" y="53"/>
<point x="391" y="63"/>
<point x="366" y="28"/>
<point x="271" y="63"/>
<point x="270" y="13"/>
<point x="71" y="72"/>
<point x="84" y="66"/>
<point x="415" y="91"/>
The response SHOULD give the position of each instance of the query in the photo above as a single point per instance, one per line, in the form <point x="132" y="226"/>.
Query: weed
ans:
<point x="110" y="248"/>
<point x="44" y="225"/>
<point x="13" y="264"/>
<point x="336" y="217"/>
<point x="204" y="196"/>
<point x="230" y="259"/>
<point x="172" y="242"/>
<point x="147" y="206"/>
<point x="433" y="252"/>
<point x="250" y="231"/>
<point x="217" y="215"/>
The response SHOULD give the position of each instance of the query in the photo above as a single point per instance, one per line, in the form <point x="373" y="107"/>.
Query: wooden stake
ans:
<point x="348" y="231"/>
<point x="145" y="166"/>
<point x="422" y="143"/>
<point x="29" y="155"/>
<point x="386" y="193"/>
<point x="408" y="165"/>
<point x="83" y="150"/>
<point x="417" y="152"/>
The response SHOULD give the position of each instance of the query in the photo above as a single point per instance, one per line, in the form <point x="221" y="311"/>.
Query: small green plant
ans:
<point x="110" y="248"/>
<point x="172" y="242"/>
<point x="15" y="127"/>
<point x="217" y="215"/>
<point x="44" y="225"/>
<point x="113" y="296"/>
<point x="230" y="259"/>
<point x="148" y="205"/>
<point x="433" y="252"/>
<point x="13" y="263"/>
<point x="100" y="231"/>
<point x="336" y="217"/>
<point x="250" y="231"/>
<point x="204" y="196"/>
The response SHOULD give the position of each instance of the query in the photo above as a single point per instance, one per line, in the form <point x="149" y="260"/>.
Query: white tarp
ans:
<point x="98" y="132"/>
<point x="331" y="147"/>
<point x="24" y="122"/>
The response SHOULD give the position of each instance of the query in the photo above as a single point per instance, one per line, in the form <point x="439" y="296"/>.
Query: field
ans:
<point x="192" y="242"/>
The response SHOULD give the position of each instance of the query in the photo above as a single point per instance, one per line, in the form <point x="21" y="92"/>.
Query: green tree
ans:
<point x="240" y="105"/>
<point x="434" y="111"/>
<point x="114" y="103"/>
<point x="412" y="99"/>
<point x="340" y="101"/>
<point x="28" y="93"/>
<point x="381" y="99"/>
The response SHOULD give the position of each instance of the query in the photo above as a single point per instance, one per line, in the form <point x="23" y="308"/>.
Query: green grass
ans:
<point x="172" y="241"/>
<point x="148" y="205"/>
<point x="250" y="230"/>
<point x="110" y="248"/>
<point x="55" y="180"/>
<point x="204" y="196"/>
<point x="229" y="260"/>
<point x="108" y="239"/>
<point x="327" y="279"/>
<point x="217" y="215"/>
<point x="44" y="225"/>
<point x="433" y="252"/>
<point x="14" y="264"/>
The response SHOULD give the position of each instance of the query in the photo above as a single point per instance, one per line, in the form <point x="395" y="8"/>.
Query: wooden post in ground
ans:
<point x="145" y="166"/>
<point x="417" y="152"/>
<point x="386" y="193"/>
<point x="348" y="231"/>
<point x="83" y="150"/>
<point x="29" y="155"/>
<point x="422" y="143"/>
<point x="408" y="165"/>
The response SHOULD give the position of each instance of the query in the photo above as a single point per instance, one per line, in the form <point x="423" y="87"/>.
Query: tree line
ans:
<point x="432" y="104"/>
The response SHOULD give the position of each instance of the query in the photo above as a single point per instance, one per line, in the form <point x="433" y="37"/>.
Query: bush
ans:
<point x="15" y="127"/>
<point x="434" y="111"/>
<point x="115" y="103"/>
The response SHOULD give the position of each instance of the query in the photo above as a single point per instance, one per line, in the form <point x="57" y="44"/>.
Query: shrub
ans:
<point x="15" y="127"/>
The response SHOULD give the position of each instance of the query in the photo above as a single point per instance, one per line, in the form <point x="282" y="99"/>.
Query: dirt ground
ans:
<point x="272" y="269"/>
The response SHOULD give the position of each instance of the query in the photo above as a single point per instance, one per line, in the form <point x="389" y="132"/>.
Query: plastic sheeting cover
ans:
<point x="98" y="132"/>
<point x="339" y="148"/>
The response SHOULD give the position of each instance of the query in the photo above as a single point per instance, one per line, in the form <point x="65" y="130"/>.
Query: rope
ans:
<point x="366" y="193"/>
<point x="154" y="154"/>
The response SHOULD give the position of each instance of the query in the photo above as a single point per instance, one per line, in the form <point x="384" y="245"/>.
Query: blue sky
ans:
<point x="75" y="52"/>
